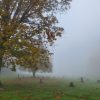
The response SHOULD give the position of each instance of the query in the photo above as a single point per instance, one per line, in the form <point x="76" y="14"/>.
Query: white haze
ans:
<point x="80" y="42"/>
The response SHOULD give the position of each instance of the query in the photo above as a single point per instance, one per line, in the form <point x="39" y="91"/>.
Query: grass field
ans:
<point x="50" y="89"/>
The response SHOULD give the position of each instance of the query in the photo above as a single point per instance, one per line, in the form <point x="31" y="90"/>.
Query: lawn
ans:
<point x="50" y="89"/>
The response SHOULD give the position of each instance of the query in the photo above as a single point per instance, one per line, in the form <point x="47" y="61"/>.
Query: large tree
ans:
<point x="25" y="25"/>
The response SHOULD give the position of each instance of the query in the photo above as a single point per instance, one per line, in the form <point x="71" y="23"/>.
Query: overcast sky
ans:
<point x="81" y="39"/>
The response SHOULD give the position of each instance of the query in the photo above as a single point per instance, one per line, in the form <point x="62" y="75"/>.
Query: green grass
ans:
<point x="51" y="89"/>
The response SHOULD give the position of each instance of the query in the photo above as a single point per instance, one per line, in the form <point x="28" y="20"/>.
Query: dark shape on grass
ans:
<point x="98" y="81"/>
<point x="1" y="85"/>
<point x="41" y="81"/>
<point x="71" y="84"/>
<point x="82" y="80"/>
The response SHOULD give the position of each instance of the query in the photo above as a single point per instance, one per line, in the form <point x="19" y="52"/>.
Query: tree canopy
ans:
<point x="25" y="26"/>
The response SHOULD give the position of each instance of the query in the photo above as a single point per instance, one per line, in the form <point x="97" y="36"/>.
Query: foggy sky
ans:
<point x="80" y="40"/>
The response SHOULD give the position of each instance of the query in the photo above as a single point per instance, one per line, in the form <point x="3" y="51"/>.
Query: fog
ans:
<point x="77" y="52"/>
<point x="78" y="48"/>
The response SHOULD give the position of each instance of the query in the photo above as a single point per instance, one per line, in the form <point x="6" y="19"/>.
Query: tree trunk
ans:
<point x="1" y="85"/>
<point x="34" y="74"/>
<point x="0" y="63"/>
<point x="1" y="55"/>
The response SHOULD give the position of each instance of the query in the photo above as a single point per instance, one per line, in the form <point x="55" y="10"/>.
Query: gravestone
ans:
<point x="41" y="81"/>
<point x="82" y="80"/>
<point x="98" y="81"/>
<point x="71" y="84"/>
<point x="1" y="85"/>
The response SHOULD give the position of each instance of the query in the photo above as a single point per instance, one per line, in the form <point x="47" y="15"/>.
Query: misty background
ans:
<point x="77" y="52"/>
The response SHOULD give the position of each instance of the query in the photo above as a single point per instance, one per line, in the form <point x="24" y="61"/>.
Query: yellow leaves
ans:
<point x="6" y="44"/>
<point x="34" y="50"/>
<point x="21" y="23"/>
<point x="9" y="29"/>
<point x="1" y="35"/>
<point x="3" y="13"/>
<point x="1" y="52"/>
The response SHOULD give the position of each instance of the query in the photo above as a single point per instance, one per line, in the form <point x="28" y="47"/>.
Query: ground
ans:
<point x="50" y="89"/>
